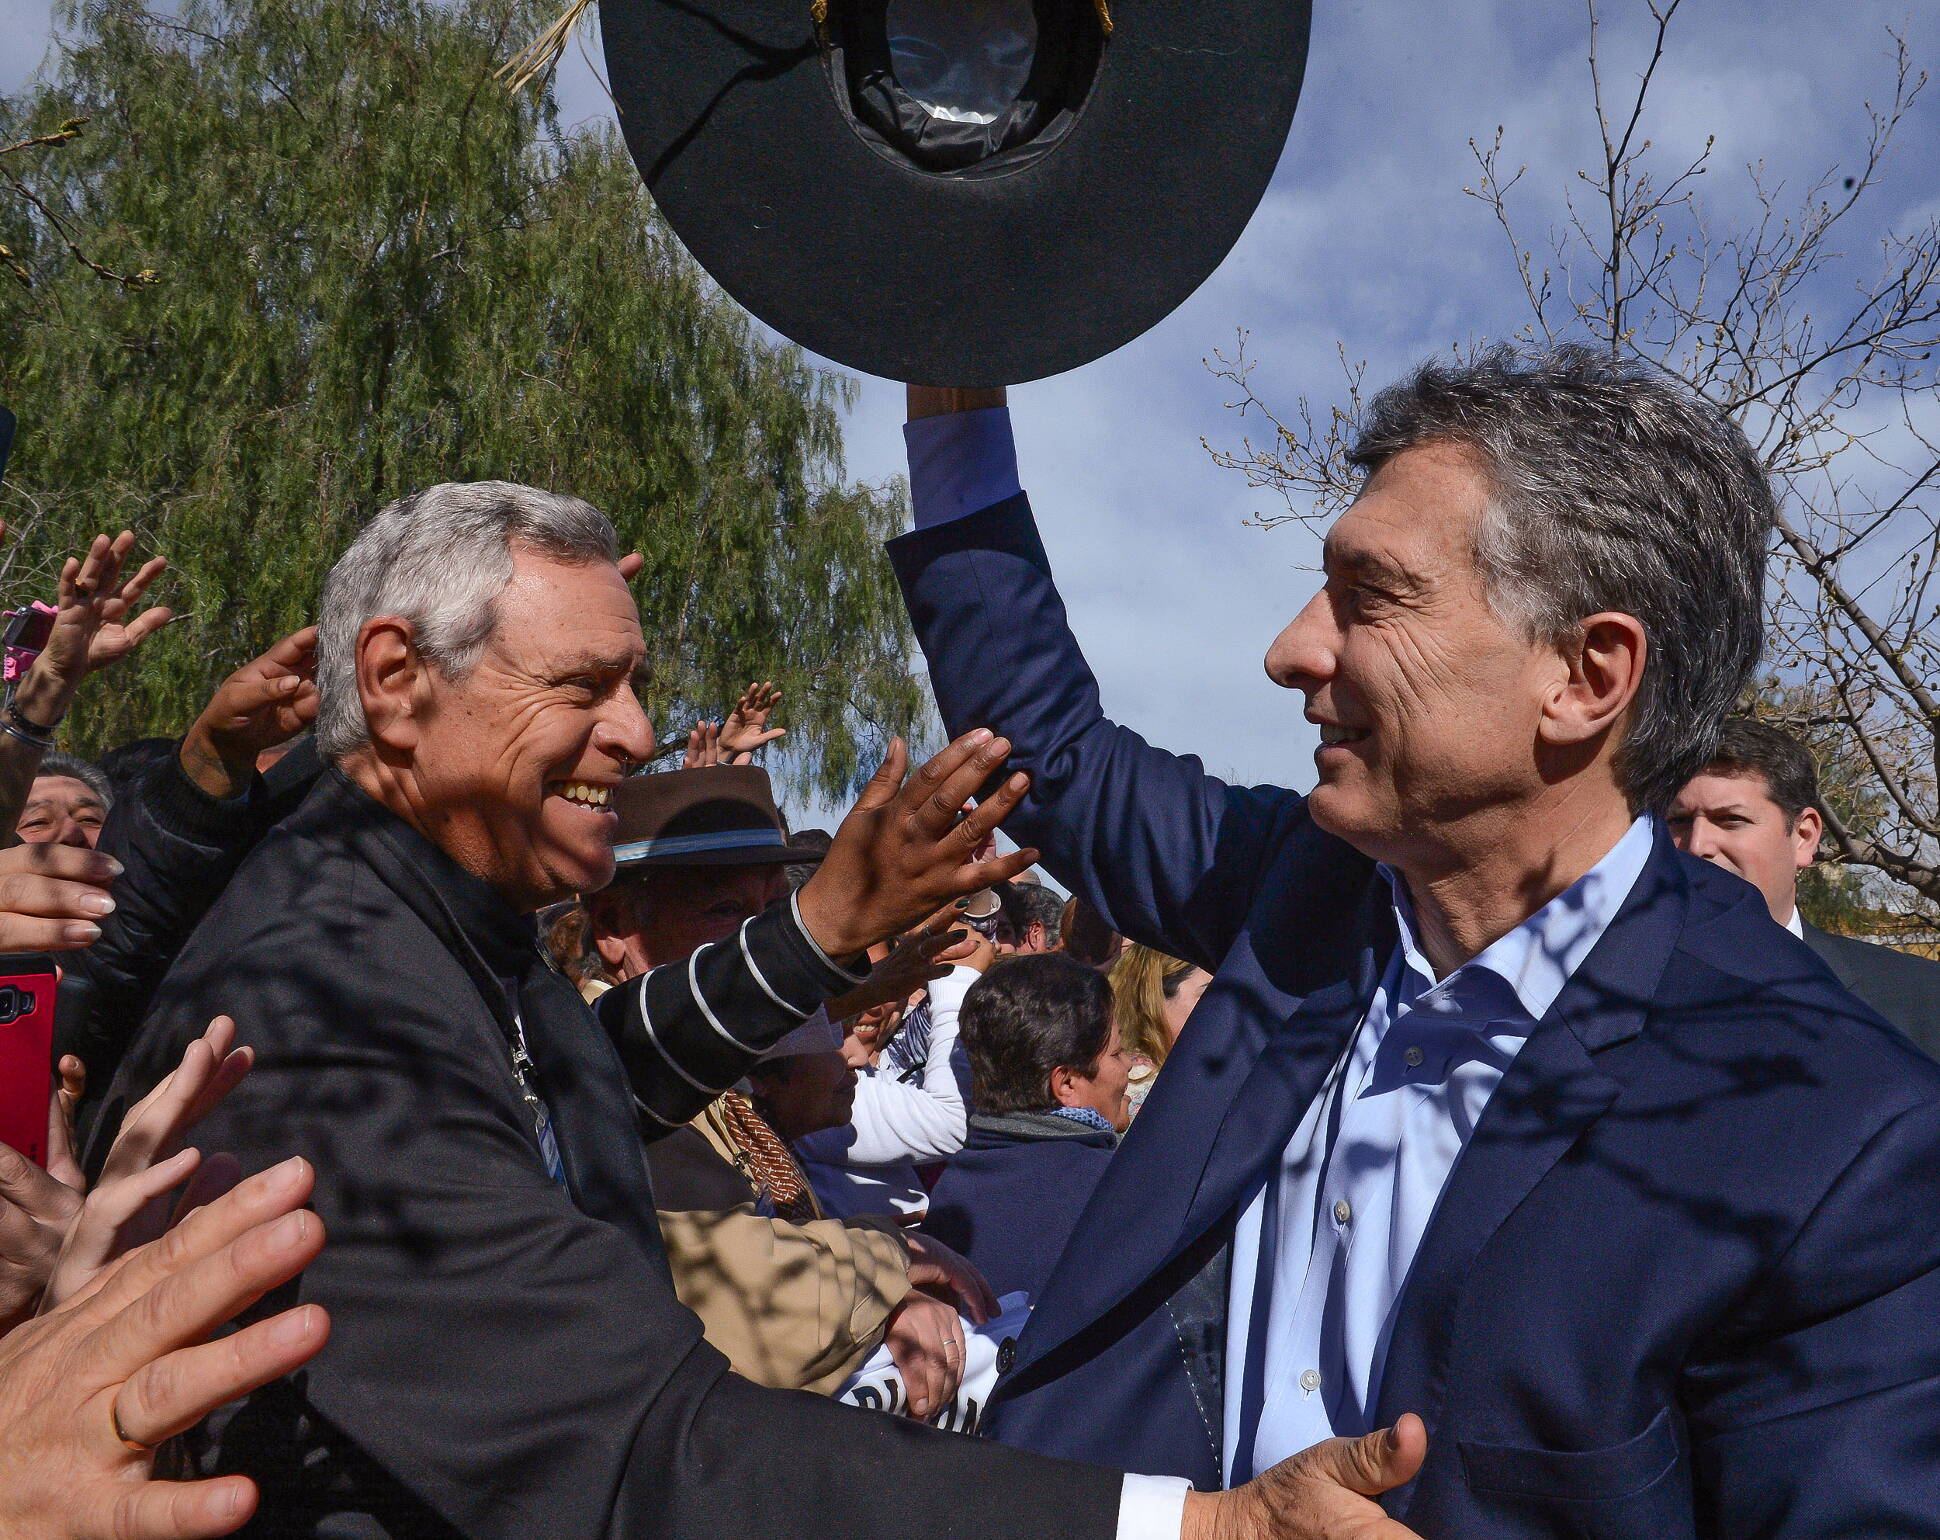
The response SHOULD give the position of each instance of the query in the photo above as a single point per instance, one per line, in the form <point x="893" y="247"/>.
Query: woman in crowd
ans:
<point x="1152" y="995"/>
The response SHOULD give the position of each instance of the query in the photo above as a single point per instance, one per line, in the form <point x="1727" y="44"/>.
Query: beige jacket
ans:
<point x="794" y="1307"/>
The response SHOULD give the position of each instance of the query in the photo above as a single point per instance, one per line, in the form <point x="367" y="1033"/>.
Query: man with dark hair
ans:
<point x="67" y="804"/>
<point x="1030" y="919"/>
<point x="1048" y="1075"/>
<point x="1754" y="810"/>
<point x="1499" y="1109"/>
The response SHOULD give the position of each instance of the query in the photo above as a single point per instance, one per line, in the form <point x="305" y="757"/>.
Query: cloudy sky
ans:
<point x="1366" y="241"/>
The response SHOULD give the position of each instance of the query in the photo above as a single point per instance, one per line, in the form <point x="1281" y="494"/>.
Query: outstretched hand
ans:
<point x="907" y="848"/>
<point x="1323" y="1493"/>
<point x="88" y="1391"/>
<point x="131" y="1203"/>
<point x="911" y="963"/>
<point x="269" y="700"/>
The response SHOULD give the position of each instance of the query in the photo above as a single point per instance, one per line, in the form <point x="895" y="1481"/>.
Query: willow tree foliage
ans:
<point x="373" y="268"/>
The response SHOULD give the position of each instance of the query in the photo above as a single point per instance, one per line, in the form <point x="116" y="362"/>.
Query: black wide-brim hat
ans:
<point x="825" y="199"/>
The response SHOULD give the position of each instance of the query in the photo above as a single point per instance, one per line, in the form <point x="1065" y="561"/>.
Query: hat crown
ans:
<point x="697" y="812"/>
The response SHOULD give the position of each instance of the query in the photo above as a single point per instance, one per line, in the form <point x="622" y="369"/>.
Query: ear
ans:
<point x="1064" y="1086"/>
<point x="390" y="681"/>
<point x="1602" y="669"/>
<point x="1806" y="834"/>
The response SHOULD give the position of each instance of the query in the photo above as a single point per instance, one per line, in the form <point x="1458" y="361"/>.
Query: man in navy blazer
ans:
<point x="1499" y="1110"/>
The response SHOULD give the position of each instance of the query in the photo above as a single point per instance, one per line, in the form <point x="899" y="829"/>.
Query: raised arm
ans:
<point x="1168" y="852"/>
<point x="688" y="1031"/>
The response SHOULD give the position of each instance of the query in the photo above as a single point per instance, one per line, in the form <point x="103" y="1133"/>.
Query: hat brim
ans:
<point x="732" y="116"/>
<point x="758" y="855"/>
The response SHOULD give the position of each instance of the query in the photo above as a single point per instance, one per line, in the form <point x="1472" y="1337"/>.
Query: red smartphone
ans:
<point x="28" y="982"/>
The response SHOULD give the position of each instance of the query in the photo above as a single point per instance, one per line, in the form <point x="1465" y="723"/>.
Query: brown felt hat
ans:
<point x="724" y="815"/>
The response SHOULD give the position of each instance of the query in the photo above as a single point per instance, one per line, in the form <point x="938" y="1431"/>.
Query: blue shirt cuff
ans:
<point x="960" y="462"/>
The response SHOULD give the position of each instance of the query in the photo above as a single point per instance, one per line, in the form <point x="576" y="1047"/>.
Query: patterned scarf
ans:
<point x="1085" y="1116"/>
<point x="770" y="1165"/>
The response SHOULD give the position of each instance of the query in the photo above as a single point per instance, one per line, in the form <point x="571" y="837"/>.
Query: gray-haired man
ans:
<point x="1498" y="1110"/>
<point x="508" y="1356"/>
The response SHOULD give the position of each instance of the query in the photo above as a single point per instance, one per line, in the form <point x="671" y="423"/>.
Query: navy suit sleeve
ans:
<point x="1821" y="1416"/>
<point x="1170" y="854"/>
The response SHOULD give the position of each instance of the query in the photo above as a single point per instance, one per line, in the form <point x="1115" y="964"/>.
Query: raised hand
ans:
<point x="1323" y="1493"/>
<point x="906" y="849"/>
<point x="130" y="1204"/>
<point x="269" y="700"/>
<point x="913" y="961"/>
<point x="88" y="1391"/>
<point x="94" y="625"/>
<point x="746" y="728"/>
<point x="37" y="1209"/>
<point x="703" y="747"/>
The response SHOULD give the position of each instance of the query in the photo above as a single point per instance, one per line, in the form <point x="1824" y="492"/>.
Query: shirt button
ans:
<point x="1310" y="1381"/>
<point x="1413" y="1057"/>
<point x="1342" y="1212"/>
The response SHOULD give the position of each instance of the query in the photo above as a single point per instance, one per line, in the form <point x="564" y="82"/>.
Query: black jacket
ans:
<point x="508" y="1357"/>
<point x="178" y="848"/>
<point x="1903" y="988"/>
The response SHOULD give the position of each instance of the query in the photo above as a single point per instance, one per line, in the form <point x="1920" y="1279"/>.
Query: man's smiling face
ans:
<point x="516" y="762"/>
<point x="1428" y="702"/>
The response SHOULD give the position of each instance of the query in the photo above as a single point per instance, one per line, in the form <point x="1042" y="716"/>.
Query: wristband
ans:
<point x="14" y="721"/>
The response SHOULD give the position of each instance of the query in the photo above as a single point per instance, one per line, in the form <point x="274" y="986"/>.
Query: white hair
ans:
<point x="438" y="559"/>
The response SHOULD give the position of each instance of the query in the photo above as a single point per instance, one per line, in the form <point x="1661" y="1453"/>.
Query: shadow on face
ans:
<point x="1428" y="702"/>
<point x="512" y="767"/>
<point x="62" y="811"/>
<point x="660" y="915"/>
<point x="804" y="1093"/>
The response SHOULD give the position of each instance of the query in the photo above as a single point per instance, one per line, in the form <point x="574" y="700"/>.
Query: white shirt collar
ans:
<point x="1794" y="924"/>
<point x="1537" y="958"/>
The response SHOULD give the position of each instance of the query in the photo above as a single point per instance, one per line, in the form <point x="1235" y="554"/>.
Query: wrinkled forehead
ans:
<point x="1416" y="519"/>
<point x="559" y="609"/>
<point x="63" y="794"/>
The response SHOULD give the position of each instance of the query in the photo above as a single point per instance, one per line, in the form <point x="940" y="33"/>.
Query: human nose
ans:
<point x="1302" y="656"/>
<point x="1700" y="840"/>
<point x="74" y="834"/>
<point x="624" y="731"/>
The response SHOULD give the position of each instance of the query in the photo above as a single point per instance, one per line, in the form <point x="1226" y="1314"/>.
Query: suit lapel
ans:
<point x="1221" y="1111"/>
<point x="1552" y="1093"/>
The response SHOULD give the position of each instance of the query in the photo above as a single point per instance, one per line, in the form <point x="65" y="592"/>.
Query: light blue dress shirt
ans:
<point x="1322" y="1251"/>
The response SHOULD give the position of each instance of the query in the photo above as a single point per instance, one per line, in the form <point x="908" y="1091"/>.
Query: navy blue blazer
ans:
<point x="1685" y="1278"/>
<point x="1009" y="1198"/>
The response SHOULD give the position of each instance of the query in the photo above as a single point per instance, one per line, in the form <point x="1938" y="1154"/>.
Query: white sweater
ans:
<point x="902" y="1117"/>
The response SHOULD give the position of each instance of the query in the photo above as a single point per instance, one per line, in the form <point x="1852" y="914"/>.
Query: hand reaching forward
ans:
<point x="87" y="1392"/>
<point x="907" y="848"/>
<point x="912" y="962"/>
<point x="1323" y="1493"/>
<point x="269" y="700"/>
<point x="130" y="1204"/>
<point x="94" y="625"/>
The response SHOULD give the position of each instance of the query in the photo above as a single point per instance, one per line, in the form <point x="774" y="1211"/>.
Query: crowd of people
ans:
<point x="458" y="1125"/>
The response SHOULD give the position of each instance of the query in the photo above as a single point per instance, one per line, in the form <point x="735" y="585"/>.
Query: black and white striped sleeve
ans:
<point x="689" y="1030"/>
